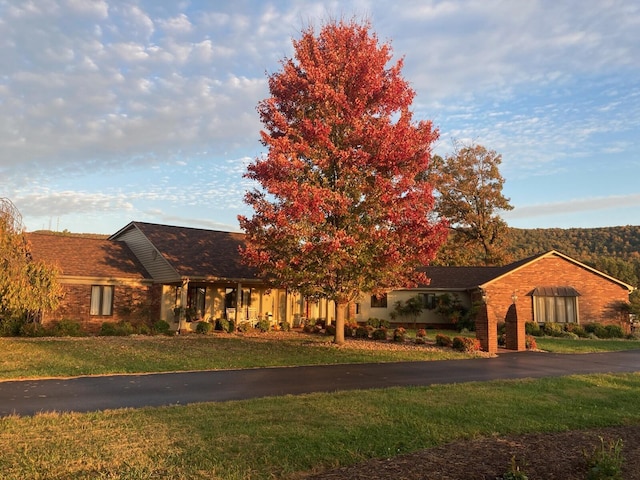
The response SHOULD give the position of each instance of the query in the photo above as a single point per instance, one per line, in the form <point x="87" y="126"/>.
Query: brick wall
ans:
<point x="134" y="303"/>
<point x="596" y="303"/>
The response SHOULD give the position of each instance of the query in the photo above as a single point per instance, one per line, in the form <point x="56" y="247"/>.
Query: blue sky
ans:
<point x="113" y="111"/>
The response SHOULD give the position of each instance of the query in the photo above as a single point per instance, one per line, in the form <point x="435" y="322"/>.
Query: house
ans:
<point x="177" y="274"/>
<point x="183" y="275"/>
<point x="549" y="287"/>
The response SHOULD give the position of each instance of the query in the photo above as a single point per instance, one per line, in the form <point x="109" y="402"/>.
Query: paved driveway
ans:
<point x="84" y="394"/>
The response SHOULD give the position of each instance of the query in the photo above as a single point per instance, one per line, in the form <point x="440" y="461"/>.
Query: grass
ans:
<point x="64" y="357"/>
<point x="282" y="437"/>
<point x="583" y="345"/>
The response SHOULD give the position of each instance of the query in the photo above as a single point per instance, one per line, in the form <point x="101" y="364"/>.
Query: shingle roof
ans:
<point x="195" y="252"/>
<point x="84" y="256"/>
<point x="460" y="278"/>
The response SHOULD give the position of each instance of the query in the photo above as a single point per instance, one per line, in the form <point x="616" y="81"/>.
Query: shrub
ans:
<point x="373" y="322"/>
<point x="108" y="329"/>
<point x="552" y="329"/>
<point x="443" y="340"/>
<point x="362" y="332"/>
<point x="33" y="329"/>
<point x="532" y="328"/>
<point x="330" y="329"/>
<point x="264" y="325"/>
<point x="399" y="334"/>
<point x="285" y="327"/>
<point x="350" y="329"/>
<point x="203" y="327"/>
<point x="466" y="344"/>
<point x="10" y="326"/>
<point x="120" y="329"/>
<point x="596" y="329"/>
<point x="161" y="327"/>
<point x="244" y="326"/>
<point x="530" y="342"/>
<point x="614" y="331"/>
<point x="379" y="334"/>
<point x="223" y="325"/>
<point x="577" y="329"/>
<point x="571" y="335"/>
<point x="421" y="333"/>
<point x="66" y="328"/>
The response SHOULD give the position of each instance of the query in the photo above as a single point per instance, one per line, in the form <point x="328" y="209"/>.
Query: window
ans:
<point x="101" y="300"/>
<point x="555" y="304"/>
<point x="429" y="301"/>
<point x="379" y="301"/>
<point x="196" y="301"/>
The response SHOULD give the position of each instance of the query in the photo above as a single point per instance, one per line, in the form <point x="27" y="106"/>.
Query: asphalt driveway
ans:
<point x="85" y="394"/>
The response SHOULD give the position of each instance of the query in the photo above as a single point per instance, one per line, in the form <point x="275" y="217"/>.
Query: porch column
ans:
<point x="515" y="331"/>
<point x="183" y="303"/>
<point x="238" y="304"/>
<point x="486" y="330"/>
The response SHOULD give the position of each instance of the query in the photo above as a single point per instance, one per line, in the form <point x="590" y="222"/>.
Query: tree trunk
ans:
<point x="340" y="314"/>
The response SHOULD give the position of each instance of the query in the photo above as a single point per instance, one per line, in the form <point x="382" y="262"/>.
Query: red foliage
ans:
<point x="344" y="206"/>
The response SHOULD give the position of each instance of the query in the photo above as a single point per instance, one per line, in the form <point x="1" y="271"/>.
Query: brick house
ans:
<point x="549" y="287"/>
<point x="182" y="275"/>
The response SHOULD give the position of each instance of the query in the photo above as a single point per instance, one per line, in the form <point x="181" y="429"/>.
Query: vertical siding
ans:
<point x="159" y="269"/>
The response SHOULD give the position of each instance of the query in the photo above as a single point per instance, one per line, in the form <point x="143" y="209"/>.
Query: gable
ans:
<point x="557" y="264"/>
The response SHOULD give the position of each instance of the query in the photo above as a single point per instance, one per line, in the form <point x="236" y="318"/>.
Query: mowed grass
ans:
<point x="585" y="345"/>
<point x="64" y="357"/>
<point x="284" y="437"/>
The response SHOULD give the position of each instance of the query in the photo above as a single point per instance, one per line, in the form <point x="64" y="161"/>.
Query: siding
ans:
<point x="159" y="269"/>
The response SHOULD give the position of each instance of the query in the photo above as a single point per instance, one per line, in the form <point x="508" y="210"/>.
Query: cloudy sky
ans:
<point x="113" y="111"/>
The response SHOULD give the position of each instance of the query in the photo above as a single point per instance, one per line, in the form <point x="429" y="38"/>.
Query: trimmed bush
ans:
<point x="350" y="329"/>
<point x="552" y="329"/>
<point x="244" y="327"/>
<point x="379" y="334"/>
<point x="614" y="331"/>
<point x="161" y="327"/>
<point x="532" y="328"/>
<point x="203" y="327"/>
<point x="443" y="340"/>
<point x="285" y="327"/>
<point x="577" y="329"/>
<point x="466" y="344"/>
<point x="264" y="325"/>
<point x="399" y="334"/>
<point x="120" y="329"/>
<point x="33" y="329"/>
<point x="67" y="328"/>
<point x="330" y="329"/>
<point x="362" y="332"/>
<point x="223" y="325"/>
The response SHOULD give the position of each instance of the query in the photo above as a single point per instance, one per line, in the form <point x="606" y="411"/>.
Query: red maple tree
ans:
<point x="344" y="208"/>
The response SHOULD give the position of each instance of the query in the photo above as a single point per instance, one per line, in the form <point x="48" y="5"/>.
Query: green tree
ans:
<point x="341" y="209"/>
<point x="469" y="196"/>
<point x="27" y="287"/>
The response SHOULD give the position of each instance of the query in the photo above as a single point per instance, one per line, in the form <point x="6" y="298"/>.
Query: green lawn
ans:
<point x="285" y="436"/>
<point x="281" y="437"/>
<point x="64" y="357"/>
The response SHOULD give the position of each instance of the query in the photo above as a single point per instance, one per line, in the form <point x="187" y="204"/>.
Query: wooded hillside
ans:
<point x="613" y="250"/>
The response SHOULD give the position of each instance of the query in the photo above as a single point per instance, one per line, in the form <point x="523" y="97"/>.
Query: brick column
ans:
<point x="486" y="330"/>
<point x="515" y="332"/>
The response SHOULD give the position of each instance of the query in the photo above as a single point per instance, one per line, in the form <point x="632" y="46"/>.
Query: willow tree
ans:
<point x="341" y="208"/>
<point x="27" y="286"/>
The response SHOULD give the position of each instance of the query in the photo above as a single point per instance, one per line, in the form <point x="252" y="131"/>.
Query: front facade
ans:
<point x="550" y="287"/>
<point x="147" y="272"/>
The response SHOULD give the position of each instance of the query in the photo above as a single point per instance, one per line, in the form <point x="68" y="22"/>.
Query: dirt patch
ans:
<point x="545" y="456"/>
